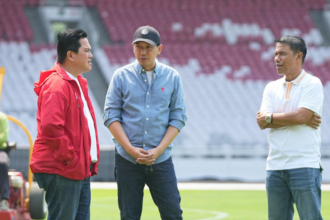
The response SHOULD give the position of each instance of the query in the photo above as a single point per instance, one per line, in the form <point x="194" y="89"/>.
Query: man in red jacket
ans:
<point x="66" y="151"/>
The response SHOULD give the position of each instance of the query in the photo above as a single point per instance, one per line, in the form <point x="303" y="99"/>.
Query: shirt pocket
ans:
<point x="161" y="96"/>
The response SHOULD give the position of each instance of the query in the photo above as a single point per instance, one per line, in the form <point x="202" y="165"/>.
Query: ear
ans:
<point x="69" y="55"/>
<point x="160" y="48"/>
<point x="299" y="56"/>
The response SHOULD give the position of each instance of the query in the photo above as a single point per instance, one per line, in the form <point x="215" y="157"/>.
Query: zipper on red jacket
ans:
<point x="77" y="99"/>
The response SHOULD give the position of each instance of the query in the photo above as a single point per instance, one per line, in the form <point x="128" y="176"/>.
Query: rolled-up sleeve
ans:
<point x="113" y="102"/>
<point x="178" y="115"/>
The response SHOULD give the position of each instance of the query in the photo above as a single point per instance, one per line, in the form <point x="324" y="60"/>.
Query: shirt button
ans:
<point x="144" y="145"/>
<point x="147" y="106"/>
<point x="145" y="80"/>
<point x="146" y="132"/>
<point x="147" y="118"/>
<point x="148" y="93"/>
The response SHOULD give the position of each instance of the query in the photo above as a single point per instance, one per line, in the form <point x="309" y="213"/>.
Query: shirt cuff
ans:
<point x="177" y="123"/>
<point x="109" y="121"/>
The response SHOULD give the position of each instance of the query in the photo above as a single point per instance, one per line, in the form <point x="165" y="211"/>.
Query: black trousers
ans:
<point x="4" y="182"/>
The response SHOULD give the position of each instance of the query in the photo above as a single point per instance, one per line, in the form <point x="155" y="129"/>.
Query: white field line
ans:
<point x="218" y="215"/>
<point x="202" y="186"/>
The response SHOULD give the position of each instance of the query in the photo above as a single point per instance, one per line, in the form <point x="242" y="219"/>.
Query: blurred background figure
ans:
<point x="4" y="162"/>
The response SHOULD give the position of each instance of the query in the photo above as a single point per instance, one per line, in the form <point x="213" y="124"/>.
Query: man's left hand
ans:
<point x="261" y="120"/>
<point x="155" y="152"/>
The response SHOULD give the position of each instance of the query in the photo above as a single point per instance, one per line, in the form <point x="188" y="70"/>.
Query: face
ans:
<point x="146" y="54"/>
<point x="82" y="59"/>
<point x="287" y="63"/>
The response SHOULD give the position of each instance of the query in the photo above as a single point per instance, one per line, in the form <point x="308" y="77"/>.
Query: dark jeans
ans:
<point x="4" y="182"/>
<point x="67" y="199"/>
<point x="300" y="186"/>
<point x="161" y="180"/>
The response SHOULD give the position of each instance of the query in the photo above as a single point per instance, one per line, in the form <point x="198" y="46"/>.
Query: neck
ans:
<point x="70" y="70"/>
<point x="292" y="76"/>
<point x="150" y="68"/>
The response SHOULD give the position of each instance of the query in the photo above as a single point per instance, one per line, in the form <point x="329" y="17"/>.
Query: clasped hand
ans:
<point x="142" y="156"/>
<point x="261" y="120"/>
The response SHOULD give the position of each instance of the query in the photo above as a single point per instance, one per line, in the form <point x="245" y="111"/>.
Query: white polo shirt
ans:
<point x="90" y="121"/>
<point x="296" y="146"/>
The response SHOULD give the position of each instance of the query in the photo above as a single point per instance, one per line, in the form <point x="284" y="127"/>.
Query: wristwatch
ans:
<point x="269" y="118"/>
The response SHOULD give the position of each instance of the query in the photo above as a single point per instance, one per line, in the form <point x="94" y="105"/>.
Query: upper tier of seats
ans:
<point x="14" y="25"/>
<point x="238" y="33"/>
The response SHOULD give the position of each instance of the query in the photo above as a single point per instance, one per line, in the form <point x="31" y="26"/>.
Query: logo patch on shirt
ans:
<point x="162" y="89"/>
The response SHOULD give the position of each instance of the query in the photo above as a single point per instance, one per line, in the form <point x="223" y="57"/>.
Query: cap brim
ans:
<point x="145" y="40"/>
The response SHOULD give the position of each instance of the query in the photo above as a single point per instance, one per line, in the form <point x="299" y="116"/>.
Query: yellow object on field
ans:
<point x="2" y="74"/>
<point x="30" y="176"/>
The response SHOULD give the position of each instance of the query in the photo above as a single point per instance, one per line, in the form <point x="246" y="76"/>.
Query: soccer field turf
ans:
<point x="199" y="205"/>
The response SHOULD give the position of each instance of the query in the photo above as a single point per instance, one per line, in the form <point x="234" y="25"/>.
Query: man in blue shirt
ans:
<point x="145" y="110"/>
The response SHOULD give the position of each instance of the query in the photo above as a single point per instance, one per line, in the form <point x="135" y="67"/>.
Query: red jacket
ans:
<point x="63" y="133"/>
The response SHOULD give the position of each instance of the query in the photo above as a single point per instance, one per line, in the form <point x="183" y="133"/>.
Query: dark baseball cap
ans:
<point x="147" y="34"/>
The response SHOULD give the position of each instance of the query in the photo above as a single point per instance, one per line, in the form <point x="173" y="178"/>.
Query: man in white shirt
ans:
<point x="292" y="107"/>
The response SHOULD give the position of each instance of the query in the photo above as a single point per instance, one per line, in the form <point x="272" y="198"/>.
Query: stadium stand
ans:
<point x="14" y="25"/>
<point x="224" y="54"/>
<point x="222" y="49"/>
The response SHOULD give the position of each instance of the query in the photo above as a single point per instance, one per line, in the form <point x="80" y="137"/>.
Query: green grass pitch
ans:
<point x="198" y="205"/>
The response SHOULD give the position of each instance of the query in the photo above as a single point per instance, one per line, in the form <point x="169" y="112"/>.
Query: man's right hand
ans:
<point x="141" y="156"/>
<point x="314" y="121"/>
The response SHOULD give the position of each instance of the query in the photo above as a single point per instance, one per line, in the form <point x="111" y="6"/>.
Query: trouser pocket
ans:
<point x="41" y="179"/>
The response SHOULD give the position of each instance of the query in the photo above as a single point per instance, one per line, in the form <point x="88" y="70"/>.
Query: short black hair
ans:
<point x="68" y="40"/>
<point x="296" y="45"/>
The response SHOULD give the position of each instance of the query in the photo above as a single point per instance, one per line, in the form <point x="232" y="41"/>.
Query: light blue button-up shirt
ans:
<point x="144" y="111"/>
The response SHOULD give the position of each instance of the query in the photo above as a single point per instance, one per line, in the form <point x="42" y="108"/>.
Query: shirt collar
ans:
<point x="140" y="69"/>
<point x="71" y="76"/>
<point x="297" y="80"/>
